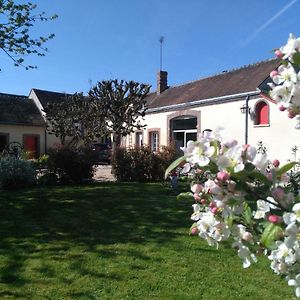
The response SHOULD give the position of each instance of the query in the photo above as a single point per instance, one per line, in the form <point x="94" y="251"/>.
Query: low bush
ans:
<point x="71" y="165"/>
<point x="16" y="173"/>
<point x="141" y="164"/>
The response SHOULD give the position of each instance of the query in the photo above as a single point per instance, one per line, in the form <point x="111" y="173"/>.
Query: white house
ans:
<point x="237" y="100"/>
<point x="183" y="112"/>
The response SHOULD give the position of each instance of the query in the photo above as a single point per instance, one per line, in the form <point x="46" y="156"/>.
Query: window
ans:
<point x="139" y="139"/>
<point x="154" y="140"/>
<point x="3" y="141"/>
<point x="184" y="130"/>
<point x="31" y="145"/>
<point x="262" y="113"/>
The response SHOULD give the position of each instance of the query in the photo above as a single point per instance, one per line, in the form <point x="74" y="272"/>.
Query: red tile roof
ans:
<point x="242" y="80"/>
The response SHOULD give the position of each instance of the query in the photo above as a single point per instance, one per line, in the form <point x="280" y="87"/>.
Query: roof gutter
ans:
<point x="202" y="102"/>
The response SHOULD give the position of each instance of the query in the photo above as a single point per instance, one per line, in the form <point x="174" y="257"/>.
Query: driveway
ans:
<point x="103" y="173"/>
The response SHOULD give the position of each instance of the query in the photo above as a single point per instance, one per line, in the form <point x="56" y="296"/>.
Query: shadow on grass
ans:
<point x="87" y="216"/>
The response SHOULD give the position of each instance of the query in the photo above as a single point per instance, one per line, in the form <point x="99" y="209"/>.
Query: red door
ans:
<point x="31" y="146"/>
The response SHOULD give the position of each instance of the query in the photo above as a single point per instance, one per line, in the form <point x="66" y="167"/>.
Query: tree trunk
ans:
<point x="116" y="142"/>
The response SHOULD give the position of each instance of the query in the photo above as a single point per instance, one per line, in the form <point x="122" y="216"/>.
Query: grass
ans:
<point x="117" y="241"/>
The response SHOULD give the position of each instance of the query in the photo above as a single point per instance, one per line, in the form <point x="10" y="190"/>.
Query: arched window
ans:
<point x="262" y="113"/>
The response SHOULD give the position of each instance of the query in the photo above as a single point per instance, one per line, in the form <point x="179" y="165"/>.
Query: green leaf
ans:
<point x="286" y="168"/>
<point x="215" y="144"/>
<point x="270" y="234"/>
<point x="247" y="213"/>
<point x="174" y="165"/>
<point x="296" y="58"/>
<point x="249" y="167"/>
<point x="185" y="196"/>
<point x="229" y="220"/>
<point x="260" y="177"/>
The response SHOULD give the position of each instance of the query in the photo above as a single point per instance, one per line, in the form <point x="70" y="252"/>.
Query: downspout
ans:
<point x="246" y="119"/>
<point x="45" y="151"/>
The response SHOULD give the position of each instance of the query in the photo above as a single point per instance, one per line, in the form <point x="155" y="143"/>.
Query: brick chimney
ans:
<point x="162" y="82"/>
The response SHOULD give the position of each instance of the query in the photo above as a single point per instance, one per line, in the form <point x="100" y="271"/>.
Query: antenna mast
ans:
<point x="161" y="39"/>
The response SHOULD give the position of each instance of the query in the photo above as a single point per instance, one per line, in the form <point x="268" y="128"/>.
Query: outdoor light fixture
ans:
<point x="244" y="109"/>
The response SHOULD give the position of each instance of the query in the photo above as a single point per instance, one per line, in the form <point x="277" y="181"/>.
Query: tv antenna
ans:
<point x="161" y="40"/>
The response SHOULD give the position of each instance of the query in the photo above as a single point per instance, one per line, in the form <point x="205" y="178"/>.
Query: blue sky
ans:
<point x="106" y="39"/>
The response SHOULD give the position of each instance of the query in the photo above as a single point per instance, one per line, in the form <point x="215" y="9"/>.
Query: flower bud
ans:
<point x="223" y="176"/>
<point x="274" y="219"/>
<point x="194" y="231"/>
<point x="247" y="236"/>
<point x="276" y="163"/>
<point x="278" y="53"/>
<point x="197" y="197"/>
<point x="281" y="108"/>
<point x="214" y="210"/>
<point x="203" y="201"/>
<point x="291" y="115"/>
<point x="273" y="73"/>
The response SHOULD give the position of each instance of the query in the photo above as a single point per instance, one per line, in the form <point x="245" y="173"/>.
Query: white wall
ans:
<point x="16" y="133"/>
<point x="278" y="137"/>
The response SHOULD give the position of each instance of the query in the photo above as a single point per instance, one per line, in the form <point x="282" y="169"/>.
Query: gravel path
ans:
<point x="103" y="173"/>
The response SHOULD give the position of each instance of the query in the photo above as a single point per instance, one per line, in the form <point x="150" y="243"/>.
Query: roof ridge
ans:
<point x="224" y="72"/>
<point x="13" y="95"/>
<point x="47" y="91"/>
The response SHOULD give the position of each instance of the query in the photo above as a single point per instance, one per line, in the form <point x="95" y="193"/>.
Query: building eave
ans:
<point x="203" y="102"/>
<point x="21" y="124"/>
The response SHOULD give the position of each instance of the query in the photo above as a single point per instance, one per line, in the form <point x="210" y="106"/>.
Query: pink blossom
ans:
<point x="278" y="53"/>
<point x="194" y="231"/>
<point x="223" y="176"/>
<point x="276" y="163"/>
<point x="281" y="107"/>
<point x="274" y="219"/>
<point x="203" y="201"/>
<point x="197" y="197"/>
<point x="197" y="188"/>
<point x="212" y="204"/>
<point x="214" y="210"/>
<point x="273" y="73"/>
<point x="291" y="115"/>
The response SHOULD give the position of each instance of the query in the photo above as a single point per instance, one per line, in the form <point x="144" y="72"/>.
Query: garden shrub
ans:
<point x="16" y="173"/>
<point x="141" y="164"/>
<point x="121" y="165"/>
<point x="43" y="161"/>
<point x="47" y="178"/>
<point x="71" y="165"/>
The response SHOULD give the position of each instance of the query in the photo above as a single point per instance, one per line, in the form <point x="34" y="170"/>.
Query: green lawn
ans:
<point x="117" y="241"/>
